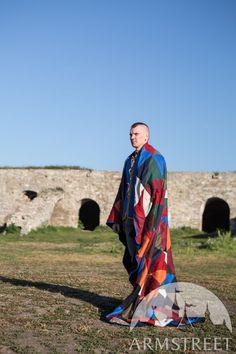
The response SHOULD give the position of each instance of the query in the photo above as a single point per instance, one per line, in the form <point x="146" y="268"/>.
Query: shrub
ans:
<point x="12" y="229"/>
<point x="223" y="241"/>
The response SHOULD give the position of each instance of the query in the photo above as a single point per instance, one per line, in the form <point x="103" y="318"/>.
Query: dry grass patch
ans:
<point x="54" y="294"/>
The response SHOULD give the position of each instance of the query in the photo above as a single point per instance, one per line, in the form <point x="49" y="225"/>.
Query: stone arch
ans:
<point x="215" y="215"/>
<point x="61" y="213"/>
<point x="89" y="214"/>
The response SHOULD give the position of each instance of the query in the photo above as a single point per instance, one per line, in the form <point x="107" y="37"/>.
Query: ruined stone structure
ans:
<point x="30" y="198"/>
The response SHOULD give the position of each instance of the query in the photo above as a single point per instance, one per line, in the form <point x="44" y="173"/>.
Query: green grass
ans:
<point x="57" y="284"/>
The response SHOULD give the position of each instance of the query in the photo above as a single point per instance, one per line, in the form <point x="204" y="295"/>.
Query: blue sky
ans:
<point x="74" y="75"/>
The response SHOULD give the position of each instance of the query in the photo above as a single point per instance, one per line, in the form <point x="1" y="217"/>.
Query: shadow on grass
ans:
<point x="105" y="304"/>
<point x="203" y="236"/>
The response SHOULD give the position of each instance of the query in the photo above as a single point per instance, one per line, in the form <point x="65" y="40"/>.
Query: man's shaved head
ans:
<point x="144" y="126"/>
<point x="139" y="135"/>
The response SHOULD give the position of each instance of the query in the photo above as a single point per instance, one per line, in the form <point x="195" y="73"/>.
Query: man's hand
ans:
<point x="116" y="228"/>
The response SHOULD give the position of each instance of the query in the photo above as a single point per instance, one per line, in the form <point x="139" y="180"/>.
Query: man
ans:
<point x="140" y="217"/>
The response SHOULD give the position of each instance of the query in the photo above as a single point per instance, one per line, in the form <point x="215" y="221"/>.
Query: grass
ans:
<point x="57" y="284"/>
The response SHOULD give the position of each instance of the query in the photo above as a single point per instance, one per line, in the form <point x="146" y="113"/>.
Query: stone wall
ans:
<point x="61" y="194"/>
<point x="189" y="192"/>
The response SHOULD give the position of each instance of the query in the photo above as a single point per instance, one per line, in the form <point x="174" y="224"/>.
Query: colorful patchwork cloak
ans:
<point x="147" y="206"/>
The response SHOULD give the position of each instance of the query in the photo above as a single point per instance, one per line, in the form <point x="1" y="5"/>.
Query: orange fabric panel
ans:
<point x="168" y="244"/>
<point x="143" y="247"/>
<point x="159" y="275"/>
<point x="143" y="276"/>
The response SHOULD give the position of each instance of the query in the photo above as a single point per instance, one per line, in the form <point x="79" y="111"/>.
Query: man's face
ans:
<point x="138" y="136"/>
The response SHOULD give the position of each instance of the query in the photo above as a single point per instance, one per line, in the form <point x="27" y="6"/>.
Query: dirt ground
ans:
<point x="53" y="299"/>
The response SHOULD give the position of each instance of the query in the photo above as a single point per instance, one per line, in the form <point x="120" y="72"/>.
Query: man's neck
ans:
<point x="138" y="149"/>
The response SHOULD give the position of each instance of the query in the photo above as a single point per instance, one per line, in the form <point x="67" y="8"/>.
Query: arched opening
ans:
<point x="89" y="214"/>
<point x="30" y="194"/>
<point x="215" y="215"/>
